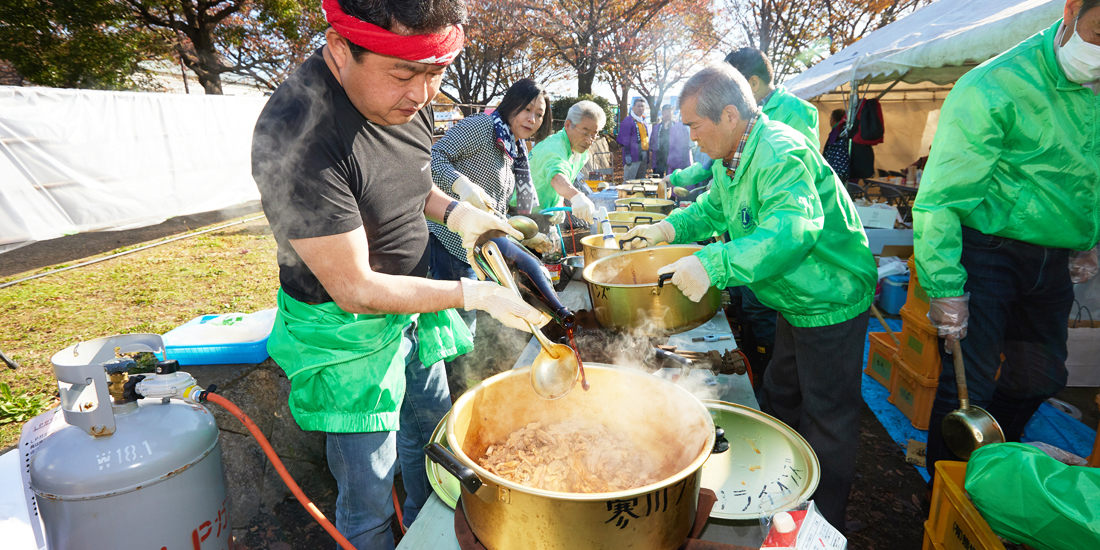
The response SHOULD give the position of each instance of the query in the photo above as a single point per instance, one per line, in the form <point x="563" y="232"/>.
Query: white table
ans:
<point x="434" y="527"/>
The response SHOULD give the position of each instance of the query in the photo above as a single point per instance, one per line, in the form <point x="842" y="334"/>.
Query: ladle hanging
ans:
<point x="969" y="427"/>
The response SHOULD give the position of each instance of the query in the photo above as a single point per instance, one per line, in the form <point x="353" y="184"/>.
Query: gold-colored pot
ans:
<point x="656" y="206"/>
<point x="627" y="220"/>
<point x="599" y="246"/>
<point x="637" y="190"/>
<point x="626" y="294"/>
<point x="669" y="422"/>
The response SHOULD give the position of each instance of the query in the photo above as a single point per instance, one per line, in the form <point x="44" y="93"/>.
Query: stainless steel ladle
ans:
<point x="555" y="370"/>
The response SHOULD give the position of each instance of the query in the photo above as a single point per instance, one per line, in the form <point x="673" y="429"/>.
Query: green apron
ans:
<point x="347" y="370"/>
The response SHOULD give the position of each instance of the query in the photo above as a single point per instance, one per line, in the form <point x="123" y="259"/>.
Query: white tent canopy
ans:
<point x="937" y="43"/>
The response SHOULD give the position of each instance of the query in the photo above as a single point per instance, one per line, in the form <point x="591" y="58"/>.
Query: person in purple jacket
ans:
<point x="634" y="138"/>
<point x="679" y="145"/>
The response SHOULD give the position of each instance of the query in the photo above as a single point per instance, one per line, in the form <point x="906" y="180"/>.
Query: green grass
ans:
<point x="155" y="290"/>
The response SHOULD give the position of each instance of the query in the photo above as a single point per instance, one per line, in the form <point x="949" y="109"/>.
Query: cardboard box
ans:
<point x="879" y="216"/>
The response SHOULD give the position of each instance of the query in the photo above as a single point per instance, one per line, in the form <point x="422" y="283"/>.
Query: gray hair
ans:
<point x="717" y="86"/>
<point x="586" y="109"/>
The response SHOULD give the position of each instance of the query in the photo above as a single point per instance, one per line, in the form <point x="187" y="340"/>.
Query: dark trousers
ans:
<point x="444" y="266"/>
<point x="813" y="386"/>
<point x="756" y="323"/>
<point x="1020" y="299"/>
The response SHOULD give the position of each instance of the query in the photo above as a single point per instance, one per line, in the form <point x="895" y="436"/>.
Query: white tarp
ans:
<point x="937" y="43"/>
<point x="82" y="160"/>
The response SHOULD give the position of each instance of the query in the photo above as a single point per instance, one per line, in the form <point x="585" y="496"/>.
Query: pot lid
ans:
<point x="444" y="484"/>
<point x="769" y="467"/>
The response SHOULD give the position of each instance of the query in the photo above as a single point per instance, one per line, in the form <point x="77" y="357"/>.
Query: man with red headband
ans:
<point x="341" y="155"/>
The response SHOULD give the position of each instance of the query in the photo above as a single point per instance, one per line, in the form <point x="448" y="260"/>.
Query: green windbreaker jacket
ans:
<point x="795" y="238"/>
<point x="1016" y="155"/>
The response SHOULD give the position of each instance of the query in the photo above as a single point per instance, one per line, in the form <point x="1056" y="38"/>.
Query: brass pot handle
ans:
<point x="662" y="278"/>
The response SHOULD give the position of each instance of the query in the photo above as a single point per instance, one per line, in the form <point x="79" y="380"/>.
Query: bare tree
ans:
<point x="261" y="39"/>
<point x="584" y="34"/>
<point x="796" y="34"/>
<point x="680" y="38"/>
<point x="497" y="53"/>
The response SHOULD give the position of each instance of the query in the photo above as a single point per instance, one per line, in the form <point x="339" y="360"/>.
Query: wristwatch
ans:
<point x="447" y="213"/>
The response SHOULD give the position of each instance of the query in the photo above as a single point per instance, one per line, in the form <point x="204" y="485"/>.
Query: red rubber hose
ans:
<point x="748" y="368"/>
<point x="290" y="483"/>
<point x="397" y="508"/>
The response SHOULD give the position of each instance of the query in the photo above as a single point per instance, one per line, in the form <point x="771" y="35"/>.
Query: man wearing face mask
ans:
<point x="341" y="155"/>
<point x="1006" y="219"/>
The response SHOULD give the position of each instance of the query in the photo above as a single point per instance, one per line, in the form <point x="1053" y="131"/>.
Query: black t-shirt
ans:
<point x="324" y="169"/>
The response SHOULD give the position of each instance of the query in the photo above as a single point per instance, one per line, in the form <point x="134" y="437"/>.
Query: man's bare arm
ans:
<point x="341" y="263"/>
<point x="436" y="205"/>
<point x="563" y="187"/>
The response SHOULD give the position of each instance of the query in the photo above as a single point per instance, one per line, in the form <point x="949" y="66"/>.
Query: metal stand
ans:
<point x="8" y="361"/>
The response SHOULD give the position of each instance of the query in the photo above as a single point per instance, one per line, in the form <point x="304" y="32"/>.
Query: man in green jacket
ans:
<point x="557" y="161"/>
<point x="796" y="241"/>
<point x="341" y="155"/>
<point x="1009" y="194"/>
<point x="780" y="106"/>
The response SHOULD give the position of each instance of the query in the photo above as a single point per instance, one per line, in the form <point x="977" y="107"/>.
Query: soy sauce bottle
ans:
<point x="527" y="270"/>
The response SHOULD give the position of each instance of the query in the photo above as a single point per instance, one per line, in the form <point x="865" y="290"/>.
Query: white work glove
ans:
<point x="582" y="207"/>
<point x="503" y="304"/>
<point x="651" y="235"/>
<point x="950" y="316"/>
<point x="470" y="223"/>
<point x="467" y="191"/>
<point x="689" y="276"/>
<point x="539" y="243"/>
<point x="1083" y="266"/>
<point x="556" y="218"/>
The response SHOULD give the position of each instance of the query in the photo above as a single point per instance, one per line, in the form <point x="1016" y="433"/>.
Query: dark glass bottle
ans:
<point x="527" y="270"/>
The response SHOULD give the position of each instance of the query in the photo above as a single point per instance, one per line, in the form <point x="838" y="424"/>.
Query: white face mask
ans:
<point x="1079" y="59"/>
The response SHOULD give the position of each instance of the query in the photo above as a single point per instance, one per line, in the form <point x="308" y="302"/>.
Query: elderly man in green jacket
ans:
<point x="1009" y="195"/>
<point x="780" y="106"/>
<point x="796" y="241"/>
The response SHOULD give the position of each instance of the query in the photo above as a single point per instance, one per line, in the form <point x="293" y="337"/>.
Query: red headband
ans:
<point x="434" y="49"/>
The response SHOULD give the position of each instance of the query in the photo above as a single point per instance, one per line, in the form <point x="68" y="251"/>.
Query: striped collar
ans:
<point x="733" y="163"/>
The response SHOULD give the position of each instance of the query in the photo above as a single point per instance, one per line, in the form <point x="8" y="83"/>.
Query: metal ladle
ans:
<point x="969" y="427"/>
<point x="555" y="370"/>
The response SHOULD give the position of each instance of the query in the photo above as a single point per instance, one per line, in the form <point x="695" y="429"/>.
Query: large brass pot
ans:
<point x="626" y="294"/>
<point x="657" y="206"/>
<point x="669" y="423"/>
<point x="626" y="221"/>
<point x="599" y="246"/>
<point x="641" y="189"/>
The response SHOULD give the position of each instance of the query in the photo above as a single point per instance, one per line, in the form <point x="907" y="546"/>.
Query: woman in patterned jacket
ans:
<point x="483" y="160"/>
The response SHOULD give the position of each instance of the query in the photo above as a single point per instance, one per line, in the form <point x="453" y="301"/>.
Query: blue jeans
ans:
<point x="364" y="464"/>
<point x="444" y="266"/>
<point x="1020" y="299"/>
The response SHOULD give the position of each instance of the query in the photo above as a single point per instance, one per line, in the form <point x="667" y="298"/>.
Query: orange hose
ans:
<point x="748" y="368"/>
<point x="397" y="508"/>
<point x="255" y="431"/>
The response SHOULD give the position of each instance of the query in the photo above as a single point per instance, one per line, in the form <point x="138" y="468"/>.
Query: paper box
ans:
<point x="879" y="216"/>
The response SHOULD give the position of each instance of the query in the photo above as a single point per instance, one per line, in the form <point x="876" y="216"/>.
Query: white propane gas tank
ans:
<point x="158" y="459"/>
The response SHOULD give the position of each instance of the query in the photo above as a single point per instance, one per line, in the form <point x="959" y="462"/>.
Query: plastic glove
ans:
<point x="556" y="218"/>
<point x="1083" y="266"/>
<point x="653" y="234"/>
<point x="540" y="243"/>
<point x="582" y="207"/>
<point x="503" y="304"/>
<point x="689" y="276"/>
<point x="950" y="317"/>
<point x="470" y="223"/>
<point x="467" y="191"/>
